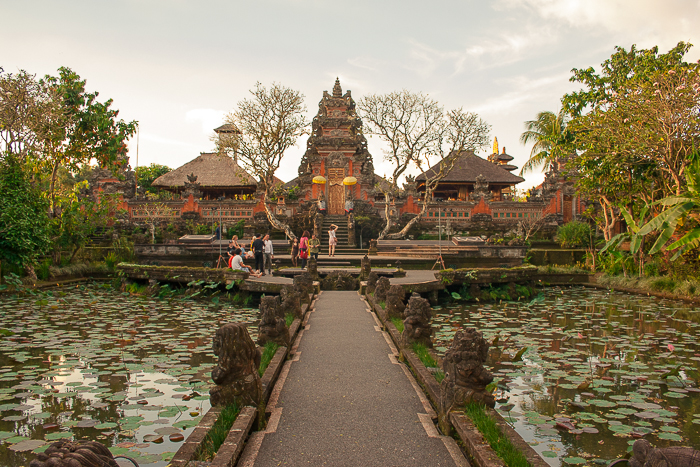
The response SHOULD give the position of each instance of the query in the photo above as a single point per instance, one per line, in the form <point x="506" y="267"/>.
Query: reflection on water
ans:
<point x="615" y="366"/>
<point x="88" y="363"/>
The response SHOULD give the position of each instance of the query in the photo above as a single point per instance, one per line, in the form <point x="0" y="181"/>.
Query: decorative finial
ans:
<point x="337" y="90"/>
<point x="495" y="145"/>
<point x="504" y="149"/>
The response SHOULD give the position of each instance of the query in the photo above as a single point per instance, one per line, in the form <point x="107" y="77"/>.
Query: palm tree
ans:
<point x="548" y="132"/>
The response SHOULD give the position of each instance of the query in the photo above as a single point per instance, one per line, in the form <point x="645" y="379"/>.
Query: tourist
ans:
<point x="295" y="252"/>
<point x="217" y="233"/>
<point x="332" y="240"/>
<point x="237" y="263"/>
<point x="314" y="247"/>
<point x="258" y="248"/>
<point x="233" y="245"/>
<point x="321" y="203"/>
<point x="349" y="204"/>
<point x="268" y="253"/>
<point x="304" y="248"/>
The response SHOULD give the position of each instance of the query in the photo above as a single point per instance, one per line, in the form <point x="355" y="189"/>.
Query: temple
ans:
<point x="478" y="190"/>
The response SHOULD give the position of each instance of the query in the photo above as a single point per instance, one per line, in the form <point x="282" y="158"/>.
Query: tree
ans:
<point x="549" y="135"/>
<point x="418" y="131"/>
<point x="23" y="219"/>
<point x="269" y="123"/>
<point x="146" y="175"/>
<point x="634" y="127"/>
<point x="86" y="129"/>
<point x="155" y="214"/>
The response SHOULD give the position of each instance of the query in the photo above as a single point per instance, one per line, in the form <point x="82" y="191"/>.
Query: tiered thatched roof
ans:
<point x="469" y="166"/>
<point x="212" y="171"/>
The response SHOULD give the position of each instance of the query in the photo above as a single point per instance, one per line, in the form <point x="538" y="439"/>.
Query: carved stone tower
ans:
<point x="335" y="150"/>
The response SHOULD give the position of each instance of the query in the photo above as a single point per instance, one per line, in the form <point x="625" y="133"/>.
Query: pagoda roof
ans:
<point x="469" y="166"/>
<point x="212" y="170"/>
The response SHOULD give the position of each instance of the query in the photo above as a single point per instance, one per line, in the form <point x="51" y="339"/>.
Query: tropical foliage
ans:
<point x="549" y="137"/>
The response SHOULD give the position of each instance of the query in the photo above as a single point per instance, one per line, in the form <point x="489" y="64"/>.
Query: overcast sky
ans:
<point x="179" y="66"/>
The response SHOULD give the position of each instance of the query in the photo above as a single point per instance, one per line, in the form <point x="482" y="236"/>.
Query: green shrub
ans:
<point x="574" y="234"/>
<point x="111" y="260"/>
<point x="218" y="433"/>
<point x="398" y="323"/>
<point x="268" y="352"/>
<point x="43" y="272"/>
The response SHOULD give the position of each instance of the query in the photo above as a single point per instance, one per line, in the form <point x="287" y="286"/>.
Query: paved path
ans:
<point x="346" y="401"/>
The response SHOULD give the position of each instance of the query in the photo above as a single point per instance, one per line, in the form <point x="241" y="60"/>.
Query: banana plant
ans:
<point x="634" y="234"/>
<point x="678" y="210"/>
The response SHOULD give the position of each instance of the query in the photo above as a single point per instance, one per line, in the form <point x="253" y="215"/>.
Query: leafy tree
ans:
<point x="146" y="175"/>
<point x="23" y="217"/>
<point x="418" y="131"/>
<point x="549" y="135"/>
<point x="269" y="123"/>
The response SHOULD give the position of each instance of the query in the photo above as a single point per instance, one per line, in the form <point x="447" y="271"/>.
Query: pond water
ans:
<point x="595" y="376"/>
<point x="86" y="362"/>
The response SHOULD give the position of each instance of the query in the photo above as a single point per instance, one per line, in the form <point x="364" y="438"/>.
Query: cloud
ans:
<point x="649" y="20"/>
<point x="209" y="118"/>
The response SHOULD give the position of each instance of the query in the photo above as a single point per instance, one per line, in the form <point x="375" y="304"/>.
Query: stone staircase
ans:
<point x="342" y="248"/>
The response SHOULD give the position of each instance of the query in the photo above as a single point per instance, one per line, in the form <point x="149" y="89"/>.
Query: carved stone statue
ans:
<point x="372" y="247"/>
<point x="394" y="301"/>
<point x="339" y="280"/>
<point x="644" y="455"/>
<point x="236" y="374"/>
<point x="382" y="288"/>
<point x="273" y="326"/>
<point x="416" y="323"/>
<point x="304" y="285"/>
<point x="372" y="279"/>
<point x="291" y="301"/>
<point x="481" y="189"/>
<point x="65" y="453"/>
<point x="365" y="268"/>
<point x="312" y="268"/>
<point x="192" y="186"/>
<point x="465" y="376"/>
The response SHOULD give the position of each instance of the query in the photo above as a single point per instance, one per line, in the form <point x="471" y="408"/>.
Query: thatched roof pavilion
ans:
<point x="217" y="175"/>
<point x="461" y="180"/>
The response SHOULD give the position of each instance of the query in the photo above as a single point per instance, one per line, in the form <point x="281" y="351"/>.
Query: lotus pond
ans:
<point x="86" y="362"/>
<point x="601" y="369"/>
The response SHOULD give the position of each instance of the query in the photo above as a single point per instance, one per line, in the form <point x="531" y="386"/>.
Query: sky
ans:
<point x="178" y="67"/>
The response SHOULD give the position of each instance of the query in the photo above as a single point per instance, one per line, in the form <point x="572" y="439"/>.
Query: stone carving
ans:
<point x="416" y="323"/>
<point x="644" y="455"/>
<point x="291" y="301"/>
<point x="373" y="247"/>
<point x="75" y="454"/>
<point x="339" y="280"/>
<point x="394" y="301"/>
<point x="382" y="288"/>
<point x="336" y="159"/>
<point x="365" y="268"/>
<point x="236" y="374"/>
<point x="305" y="285"/>
<point x="372" y="279"/>
<point x="273" y="326"/>
<point x="312" y="268"/>
<point x="465" y="376"/>
<point x="481" y="189"/>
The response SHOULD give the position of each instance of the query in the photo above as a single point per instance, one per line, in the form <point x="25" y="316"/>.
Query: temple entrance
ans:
<point x="336" y="192"/>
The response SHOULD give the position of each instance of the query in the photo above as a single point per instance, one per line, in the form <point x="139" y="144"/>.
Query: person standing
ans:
<point x="258" y="249"/>
<point x="314" y="247"/>
<point x="332" y="240"/>
<point x="304" y="248"/>
<point x="295" y="252"/>
<point x="268" y="253"/>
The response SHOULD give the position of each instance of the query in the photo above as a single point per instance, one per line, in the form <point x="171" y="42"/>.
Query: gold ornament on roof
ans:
<point x="495" y="145"/>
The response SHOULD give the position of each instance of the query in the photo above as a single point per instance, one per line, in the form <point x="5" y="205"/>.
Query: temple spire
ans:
<point x="337" y="90"/>
<point x="495" y="145"/>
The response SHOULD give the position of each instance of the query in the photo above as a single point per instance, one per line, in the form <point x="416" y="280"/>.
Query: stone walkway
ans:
<point x="344" y="400"/>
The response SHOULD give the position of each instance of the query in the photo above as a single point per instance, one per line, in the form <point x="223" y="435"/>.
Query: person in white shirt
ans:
<point x="237" y="263"/>
<point x="268" y="253"/>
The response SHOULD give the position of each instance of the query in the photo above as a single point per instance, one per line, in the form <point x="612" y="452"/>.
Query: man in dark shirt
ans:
<point x="258" y="247"/>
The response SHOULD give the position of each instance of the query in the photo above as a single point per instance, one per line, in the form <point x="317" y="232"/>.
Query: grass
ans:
<point x="268" y="353"/>
<point x="398" y="323"/>
<point x="428" y="360"/>
<point x="218" y="433"/>
<point x="495" y="437"/>
<point x="684" y="288"/>
<point x="289" y="319"/>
